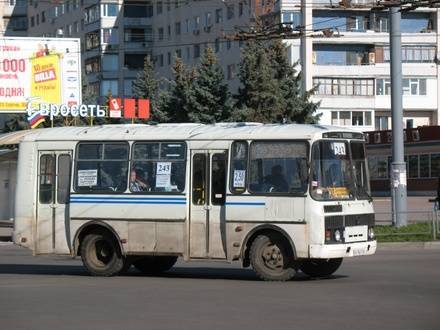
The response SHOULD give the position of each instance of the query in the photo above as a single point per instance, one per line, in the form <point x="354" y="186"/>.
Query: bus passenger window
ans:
<point x="278" y="167"/>
<point x="160" y="166"/>
<point x="47" y="178"/>
<point x="102" y="167"/>
<point x="199" y="179"/>
<point x="239" y="167"/>
<point x="218" y="191"/>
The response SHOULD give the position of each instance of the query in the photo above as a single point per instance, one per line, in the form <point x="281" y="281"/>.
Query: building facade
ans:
<point x="350" y="61"/>
<point x="13" y="21"/>
<point x="347" y="41"/>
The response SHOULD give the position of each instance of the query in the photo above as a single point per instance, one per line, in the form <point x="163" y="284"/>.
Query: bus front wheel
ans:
<point x="271" y="258"/>
<point x="320" y="267"/>
<point x="154" y="265"/>
<point x="101" y="255"/>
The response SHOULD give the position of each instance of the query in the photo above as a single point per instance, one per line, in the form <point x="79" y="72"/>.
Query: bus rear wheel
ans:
<point x="271" y="258"/>
<point x="320" y="267"/>
<point x="101" y="255"/>
<point x="154" y="265"/>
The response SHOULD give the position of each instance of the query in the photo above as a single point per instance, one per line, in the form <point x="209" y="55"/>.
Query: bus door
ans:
<point x="207" y="233"/>
<point x="54" y="170"/>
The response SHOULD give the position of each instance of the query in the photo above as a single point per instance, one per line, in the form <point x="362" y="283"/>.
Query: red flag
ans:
<point x="144" y="108"/>
<point x="129" y="108"/>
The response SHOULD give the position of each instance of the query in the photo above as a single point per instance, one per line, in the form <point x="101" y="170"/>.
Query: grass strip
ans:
<point x="416" y="232"/>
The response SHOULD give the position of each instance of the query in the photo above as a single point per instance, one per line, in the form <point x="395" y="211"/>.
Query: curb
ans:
<point x="433" y="245"/>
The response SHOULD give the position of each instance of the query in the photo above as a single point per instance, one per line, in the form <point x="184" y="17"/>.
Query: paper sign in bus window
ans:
<point x="239" y="178"/>
<point x="163" y="174"/>
<point x="87" y="178"/>
<point x="339" y="148"/>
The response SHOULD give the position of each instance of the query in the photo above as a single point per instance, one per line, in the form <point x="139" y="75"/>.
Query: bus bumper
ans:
<point x="327" y="251"/>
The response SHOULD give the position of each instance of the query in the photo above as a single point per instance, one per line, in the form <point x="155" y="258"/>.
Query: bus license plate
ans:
<point x="359" y="251"/>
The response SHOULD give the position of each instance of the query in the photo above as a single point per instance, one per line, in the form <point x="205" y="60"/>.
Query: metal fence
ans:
<point x="431" y="218"/>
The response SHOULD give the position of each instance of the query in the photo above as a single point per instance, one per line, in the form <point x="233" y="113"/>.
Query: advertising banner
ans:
<point x="37" y="71"/>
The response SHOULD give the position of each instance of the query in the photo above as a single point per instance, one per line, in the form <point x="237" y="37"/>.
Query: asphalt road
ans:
<point x="397" y="289"/>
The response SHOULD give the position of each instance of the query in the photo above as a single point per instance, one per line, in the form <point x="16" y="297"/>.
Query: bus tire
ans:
<point x="320" y="267"/>
<point x="154" y="265"/>
<point x="101" y="255"/>
<point x="272" y="258"/>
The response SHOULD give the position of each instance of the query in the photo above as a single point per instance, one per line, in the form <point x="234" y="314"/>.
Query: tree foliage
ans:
<point x="209" y="97"/>
<point x="270" y="89"/>
<point x="146" y="86"/>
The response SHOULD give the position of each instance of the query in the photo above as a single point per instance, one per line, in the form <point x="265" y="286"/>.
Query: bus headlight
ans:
<point x="338" y="237"/>
<point x="370" y="233"/>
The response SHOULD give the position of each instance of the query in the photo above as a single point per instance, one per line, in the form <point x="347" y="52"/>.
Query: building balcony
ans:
<point x="138" y="45"/>
<point x="137" y="21"/>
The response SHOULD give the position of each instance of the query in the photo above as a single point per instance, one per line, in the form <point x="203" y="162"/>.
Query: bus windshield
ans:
<point x="332" y="171"/>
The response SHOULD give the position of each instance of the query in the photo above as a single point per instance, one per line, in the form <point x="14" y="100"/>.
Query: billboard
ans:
<point x="39" y="70"/>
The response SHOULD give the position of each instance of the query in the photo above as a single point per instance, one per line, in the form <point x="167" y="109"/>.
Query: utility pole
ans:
<point x="306" y="52"/>
<point x="398" y="166"/>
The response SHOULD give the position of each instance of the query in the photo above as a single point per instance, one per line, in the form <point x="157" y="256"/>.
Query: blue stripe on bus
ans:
<point x="246" y="203"/>
<point x="127" y="201"/>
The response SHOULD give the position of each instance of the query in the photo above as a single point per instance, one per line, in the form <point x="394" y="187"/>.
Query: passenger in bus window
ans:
<point x="277" y="180"/>
<point x="136" y="184"/>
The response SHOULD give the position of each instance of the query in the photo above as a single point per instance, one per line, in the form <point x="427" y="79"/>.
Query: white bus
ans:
<point x="279" y="198"/>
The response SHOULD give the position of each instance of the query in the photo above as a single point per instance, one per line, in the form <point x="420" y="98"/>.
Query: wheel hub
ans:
<point x="273" y="258"/>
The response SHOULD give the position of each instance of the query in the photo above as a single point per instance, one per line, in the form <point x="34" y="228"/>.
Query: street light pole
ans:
<point x="398" y="166"/>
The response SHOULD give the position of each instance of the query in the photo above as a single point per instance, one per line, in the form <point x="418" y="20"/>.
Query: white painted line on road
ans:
<point x="6" y="243"/>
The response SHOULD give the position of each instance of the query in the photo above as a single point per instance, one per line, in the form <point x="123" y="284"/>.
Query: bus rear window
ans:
<point x="101" y="167"/>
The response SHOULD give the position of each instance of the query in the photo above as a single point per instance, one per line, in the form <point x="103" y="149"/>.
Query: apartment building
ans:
<point x="117" y="35"/>
<point x="13" y="18"/>
<point x="350" y="62"/>
<point x="348" y="58"/>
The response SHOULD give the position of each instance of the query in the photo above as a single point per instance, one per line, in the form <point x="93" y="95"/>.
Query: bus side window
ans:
<point x="239" y="159"/>
<point x="47" y="178"/>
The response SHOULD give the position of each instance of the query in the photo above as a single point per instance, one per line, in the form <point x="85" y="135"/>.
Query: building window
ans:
<point x="169" y="58"/>
<point x="159" y="7"/>
<point x="381" y="123"/>
<point x="110" y="62"/>
<point x="410" y="86"/>
<point x="138" y="9"/>
<point x="240" y="9"/>
<point x="188" y="53"/>
<point x="228" y="44"/>
<point x="196" y="51"/>
<point x="110" y="9"/>
<point x="134" y="61"/>
<point x="93" y="65"/>
<point x="110" y="36"/>
<point x="92" y="40"/>
<point x="342" y="54"/>
<point x="435" y="165"/>
<point x="138" y="34"/>
<point x="291" y="18"/>
<point x="91" y="14"/>
<point x="178" y="53"/>
<point x="208" y="21"/>
<point x="230" y="9"/>
<point x="231" y="71"/>
<point x="32" y="21"/>
<point x="169" y="31"/>
<point x="196" y="24"/>
<point x="351" y="87"/>
<point x="177" y="28"/>
<point x="219" y="15"/>
<point x="109" y="86"/>
<point x="413" y="54"/>
<point x="160" y="60"/>
<point x="128" y="87"/>
<point x="217" y="45"/>
<point x="160" y="33"/>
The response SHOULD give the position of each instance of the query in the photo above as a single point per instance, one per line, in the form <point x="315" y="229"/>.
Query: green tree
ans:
<point x="209" y="100"/>
<point x="258" y="96"/>
<point x="146" y="86"/>
<point x="176" y="102"/>
<point x="295" y="105"/>
<point x="270" y="89"/>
